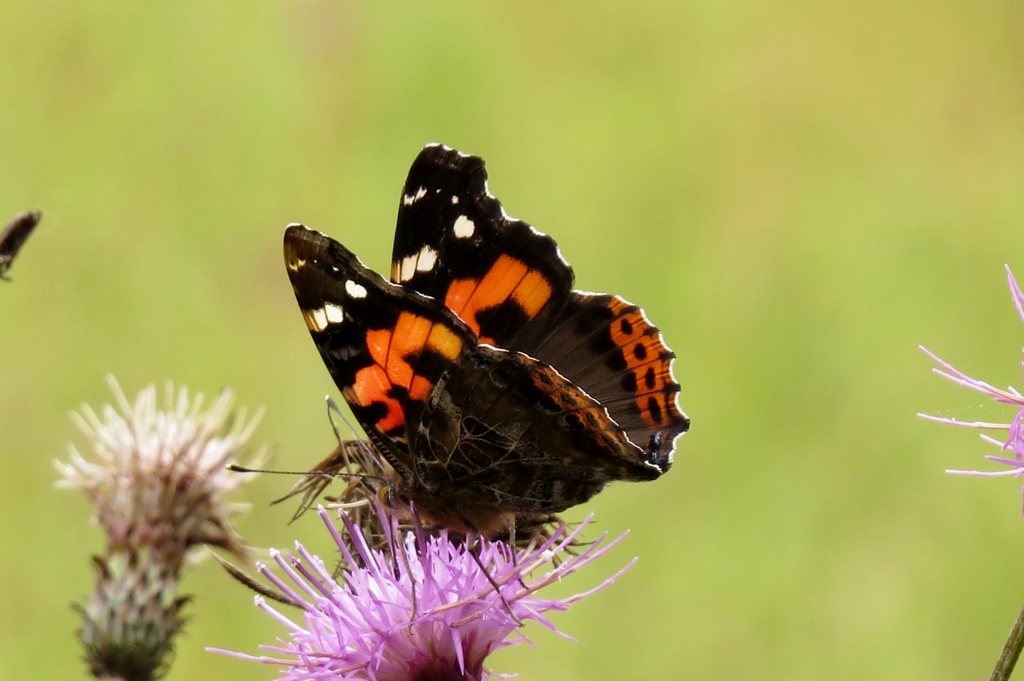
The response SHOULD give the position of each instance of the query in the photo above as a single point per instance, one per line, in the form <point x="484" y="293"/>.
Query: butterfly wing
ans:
<point x="455" y="243"/>
<point x="511" y="286"/>
<point x="385" y="346"/>
<point x="506" y="435"/>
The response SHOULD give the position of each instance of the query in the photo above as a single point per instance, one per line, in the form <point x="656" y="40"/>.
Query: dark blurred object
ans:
<point x="14" y="236"/>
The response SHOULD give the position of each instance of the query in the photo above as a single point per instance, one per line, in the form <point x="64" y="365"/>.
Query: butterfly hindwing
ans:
<point x="485" y="455"/>
<point x="608" y="347"/>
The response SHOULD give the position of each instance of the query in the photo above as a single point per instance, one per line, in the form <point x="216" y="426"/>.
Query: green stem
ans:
<point x="1011" y="651"/>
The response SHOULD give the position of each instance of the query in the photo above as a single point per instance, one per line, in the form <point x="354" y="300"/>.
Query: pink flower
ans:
<point x="422" y="608"/>
<point x="1014" y="441"/>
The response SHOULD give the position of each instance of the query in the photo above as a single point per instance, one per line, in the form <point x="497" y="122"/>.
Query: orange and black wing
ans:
<point x="511" y="286"/>
<point x="385" y="346"/>
<point x="607" y="346"/>
<point x="455" y="243"/>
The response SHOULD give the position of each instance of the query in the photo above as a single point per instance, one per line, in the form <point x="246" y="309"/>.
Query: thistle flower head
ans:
<point x="161" y="471"/>
<point x="424" y="608"/>
<point x="157" y="480"/>
<point x="1013" y="443"/>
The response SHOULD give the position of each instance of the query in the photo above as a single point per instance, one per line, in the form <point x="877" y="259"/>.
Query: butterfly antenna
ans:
<point x="313" y="473"/>
<point x="245" y="469"/>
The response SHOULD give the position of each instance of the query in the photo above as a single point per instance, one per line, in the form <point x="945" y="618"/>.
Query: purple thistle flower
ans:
<point x="421" y="609"/>
<point x="1014" y="441"/>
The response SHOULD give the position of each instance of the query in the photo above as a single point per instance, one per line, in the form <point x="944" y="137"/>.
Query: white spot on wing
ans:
<point x="455" y="200"/>
<point x="319" y="319"/>
<point x="334" y="313"/>
<point x="420" y="262"/>
<point x="354" y="289"/>
<point x="426" y="259"/>
<point x="408" y="268"/>
<point x="463" y="227"/>
<point x="410" y="199"/>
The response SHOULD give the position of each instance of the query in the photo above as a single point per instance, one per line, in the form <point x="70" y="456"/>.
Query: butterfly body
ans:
<point x="491" y="388"/>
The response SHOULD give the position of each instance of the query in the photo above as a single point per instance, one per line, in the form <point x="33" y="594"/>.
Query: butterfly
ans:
<point x="493" y="390"/>
<point x="13" y="238"/>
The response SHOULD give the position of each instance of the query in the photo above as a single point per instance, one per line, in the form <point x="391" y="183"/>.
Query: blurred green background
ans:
<point x="799" y="193"/>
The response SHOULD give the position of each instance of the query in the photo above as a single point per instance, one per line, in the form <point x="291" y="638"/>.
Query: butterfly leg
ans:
<point x="400" y="551"/>
<point x="512" y="547"/>
<point x="472" y="544"/>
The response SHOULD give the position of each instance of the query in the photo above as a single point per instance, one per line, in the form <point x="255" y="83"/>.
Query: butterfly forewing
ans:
<point x="384" y="346"/>
<point x="513" y="288"/>
<point x="455" y="243"/>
